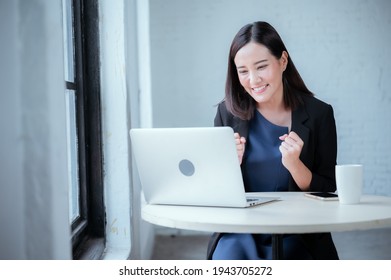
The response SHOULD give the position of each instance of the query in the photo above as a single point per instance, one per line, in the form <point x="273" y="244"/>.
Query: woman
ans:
<point x="286" y="139"/>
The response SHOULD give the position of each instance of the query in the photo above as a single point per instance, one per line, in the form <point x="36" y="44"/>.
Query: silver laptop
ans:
<point x="195" y="166"/>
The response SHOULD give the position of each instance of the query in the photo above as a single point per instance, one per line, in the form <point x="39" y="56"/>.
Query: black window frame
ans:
<point x="88" y="230"/>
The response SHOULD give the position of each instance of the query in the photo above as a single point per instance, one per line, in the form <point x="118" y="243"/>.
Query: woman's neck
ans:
<point x="276" y="113"/>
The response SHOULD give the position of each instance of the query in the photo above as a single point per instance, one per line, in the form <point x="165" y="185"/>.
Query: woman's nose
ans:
<point x="254" y="77"/>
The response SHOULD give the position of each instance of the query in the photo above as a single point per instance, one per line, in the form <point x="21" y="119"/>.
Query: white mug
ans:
<point x="349" y="179"/>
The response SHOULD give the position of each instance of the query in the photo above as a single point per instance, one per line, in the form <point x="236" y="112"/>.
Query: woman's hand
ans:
<point x="240" y="146"/>
<point x="290" y="149"/>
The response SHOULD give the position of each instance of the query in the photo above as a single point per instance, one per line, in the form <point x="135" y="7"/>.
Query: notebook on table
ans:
<point x="195" y="166"/>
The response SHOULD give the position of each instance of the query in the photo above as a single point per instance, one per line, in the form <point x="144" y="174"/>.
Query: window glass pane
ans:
<point x="73" y="166"/>
<point x="68" y="41"/>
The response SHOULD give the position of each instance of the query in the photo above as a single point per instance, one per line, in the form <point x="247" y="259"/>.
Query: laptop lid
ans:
<point x="189" y="166"/>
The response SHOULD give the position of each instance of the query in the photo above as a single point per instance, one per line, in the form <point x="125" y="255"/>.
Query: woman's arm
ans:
<point x="323" y="173"/>
<point x="290" y="148"/>
<point x="316" y="170"/>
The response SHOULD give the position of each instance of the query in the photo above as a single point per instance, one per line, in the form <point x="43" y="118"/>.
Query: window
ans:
<point x="82" y="91"/>
<point x="70" y="95"/>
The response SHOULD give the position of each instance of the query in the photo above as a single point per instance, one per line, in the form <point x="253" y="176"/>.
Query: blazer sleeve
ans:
<point x="218" y="121"/>
<point x="323" y="171"/>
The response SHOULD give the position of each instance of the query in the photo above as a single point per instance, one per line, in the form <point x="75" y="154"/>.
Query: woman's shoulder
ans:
<point x="315" y="105"/>
<point x="221" y="106"/>
<point x="223" y="110"/>
<point x="224" y="117"/>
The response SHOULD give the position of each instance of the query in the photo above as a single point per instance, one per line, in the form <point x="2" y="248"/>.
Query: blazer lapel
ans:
<point x="299" y="116"/>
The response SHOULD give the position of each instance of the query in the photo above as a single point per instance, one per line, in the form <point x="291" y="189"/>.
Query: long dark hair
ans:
<point x="237" y="100"/>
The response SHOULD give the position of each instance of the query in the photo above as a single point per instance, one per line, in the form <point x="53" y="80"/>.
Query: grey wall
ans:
<point x="33" y="149"/>
<point x="341" y="49"/>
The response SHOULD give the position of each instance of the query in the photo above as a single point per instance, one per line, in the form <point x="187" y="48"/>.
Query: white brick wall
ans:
<point x="341" y="49"/>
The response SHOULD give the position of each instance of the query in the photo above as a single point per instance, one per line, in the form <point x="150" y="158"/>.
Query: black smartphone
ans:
<point x="322" y="195"/>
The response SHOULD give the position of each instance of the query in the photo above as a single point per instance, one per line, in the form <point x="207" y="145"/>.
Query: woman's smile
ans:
<point x="259" y="90"/>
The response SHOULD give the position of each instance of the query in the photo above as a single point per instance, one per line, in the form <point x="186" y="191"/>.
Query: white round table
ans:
<point x="293" y="213"/>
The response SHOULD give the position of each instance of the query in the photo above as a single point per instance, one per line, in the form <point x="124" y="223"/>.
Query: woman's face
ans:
<point x="260" y="73"/>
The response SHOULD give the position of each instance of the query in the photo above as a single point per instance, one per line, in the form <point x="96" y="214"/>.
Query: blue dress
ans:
<point x="262" y="172"/>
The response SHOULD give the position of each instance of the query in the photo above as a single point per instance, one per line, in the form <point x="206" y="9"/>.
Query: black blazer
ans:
<point x="314" y="122"/>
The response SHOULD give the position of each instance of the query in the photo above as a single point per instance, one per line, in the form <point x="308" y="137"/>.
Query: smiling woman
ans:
<point x="258" y="54"/>
<point x="285" y="137"/>
<point x="260" y="73"/>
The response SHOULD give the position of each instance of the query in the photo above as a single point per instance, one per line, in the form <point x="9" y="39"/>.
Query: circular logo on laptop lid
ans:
<point x="186" y="167"/>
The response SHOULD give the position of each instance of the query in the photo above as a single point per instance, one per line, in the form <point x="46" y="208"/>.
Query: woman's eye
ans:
<point x="242" y="72"/>
<point x="261" y="67"/>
